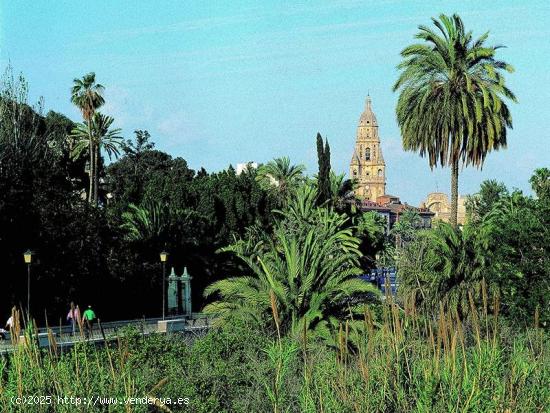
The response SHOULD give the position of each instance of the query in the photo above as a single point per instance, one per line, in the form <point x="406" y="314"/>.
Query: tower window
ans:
<point x="380" y="172"/>
<point x="367" y="154"/>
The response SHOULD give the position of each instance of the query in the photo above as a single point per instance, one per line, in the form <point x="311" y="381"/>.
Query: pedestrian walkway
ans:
<point x="195" y="326"/>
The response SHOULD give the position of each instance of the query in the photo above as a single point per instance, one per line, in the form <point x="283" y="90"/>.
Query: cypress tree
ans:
<point x="323" y="178"/>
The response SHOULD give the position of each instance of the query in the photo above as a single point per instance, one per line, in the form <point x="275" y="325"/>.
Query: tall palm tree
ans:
<point x="87" y="95"/>
<point x="451" y="105"/>
<point x="281" y="178"/>
<point x="94" y="135"/>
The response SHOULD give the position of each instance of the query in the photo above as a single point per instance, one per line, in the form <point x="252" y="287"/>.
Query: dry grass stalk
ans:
<point x="475" y="318"/>
<point x="496" y="310"/>
<point x="275" y="312"/>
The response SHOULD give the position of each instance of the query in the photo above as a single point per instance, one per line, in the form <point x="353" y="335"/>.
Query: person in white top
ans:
<point x="9" y="323"/>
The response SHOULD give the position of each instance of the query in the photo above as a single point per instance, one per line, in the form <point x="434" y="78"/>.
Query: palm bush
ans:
<point x="281" y="178"/>
<point x="309" y="267"/>
<point x="444" y="264"/>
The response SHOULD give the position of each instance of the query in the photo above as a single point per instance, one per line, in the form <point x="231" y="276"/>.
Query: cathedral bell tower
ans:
<point x="367" y="165"/>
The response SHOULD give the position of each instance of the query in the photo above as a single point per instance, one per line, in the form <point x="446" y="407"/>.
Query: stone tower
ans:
<point x="367" y="165"/>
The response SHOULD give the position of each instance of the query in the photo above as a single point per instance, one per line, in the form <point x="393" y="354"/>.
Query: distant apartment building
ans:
<point x="242" y="167"/>
<point x="391" y="208"/>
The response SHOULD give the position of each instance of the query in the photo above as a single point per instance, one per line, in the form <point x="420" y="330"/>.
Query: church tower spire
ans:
<point x="367" y="166"/>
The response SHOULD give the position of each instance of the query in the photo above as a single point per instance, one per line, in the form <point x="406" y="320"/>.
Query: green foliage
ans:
<point x="85" y="254"/>
<point x="517" y="240"/>
<point x="40" y="208"/>
<point x="406" y="228"/>
<point x="371" y="229"/>
<point x="281" y="356"/>
<point x="443" y="265"/>
<point x="309" y="267"/>
<point x="87" y="95"/>
<point x="146" y="223"/>
<point x="480" y="204"/>
<point x="98" y="133"/>
<point x="410" y="361"/>
<point x="91" y="137"/>
<point x="504" y="245"/>
<point x="540" y="183"/>
<point x="280" y="178"/>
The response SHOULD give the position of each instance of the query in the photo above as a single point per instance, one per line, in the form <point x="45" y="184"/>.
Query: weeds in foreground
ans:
<point x="403" y="361"/>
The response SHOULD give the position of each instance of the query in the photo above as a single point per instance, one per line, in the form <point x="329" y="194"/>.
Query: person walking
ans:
<point x="9" y="323"/>
<point x="89" y="318"/>
<point x="73" y="317"/>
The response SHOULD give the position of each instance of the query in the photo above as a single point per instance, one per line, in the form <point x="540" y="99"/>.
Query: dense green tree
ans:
<point x="96" y="133"/>
<point x="483" y="202"/>
<point x="406" y="227"/>
<point x="99" y="129"/>
<point x="340" y="190"/>
<point x="507" y="246"/>
<point x="517" y="247"/>
<point x="131" y="177"/>
<point x="371" y="230"/>
<point x="191" y="215"/>
<point x="41" y="209"/>
<point x="540" y="182"/>
<point x="451" y="105"/>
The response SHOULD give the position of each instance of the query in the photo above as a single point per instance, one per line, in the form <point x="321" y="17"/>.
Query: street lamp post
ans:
<point x="27" y="256"/>
<point x="163" y="259"/>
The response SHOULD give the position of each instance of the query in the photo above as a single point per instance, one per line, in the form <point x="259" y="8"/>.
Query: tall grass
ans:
<point x="436" y="363"/>
<point x="402" y="360"/>
<point x="82" y="371"/>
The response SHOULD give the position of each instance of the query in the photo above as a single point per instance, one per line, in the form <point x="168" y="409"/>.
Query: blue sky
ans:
<point x="229" y="82"/>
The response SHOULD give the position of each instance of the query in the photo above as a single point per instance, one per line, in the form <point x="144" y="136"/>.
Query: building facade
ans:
<point x="391" y="208"/>
<point x="243" y="167"/>
<point x="367" y="166"/>
<point x="440" y="205"/>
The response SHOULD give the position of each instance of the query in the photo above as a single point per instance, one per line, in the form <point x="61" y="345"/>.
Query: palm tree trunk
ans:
<point x="454" y="193"/>
<point x="96" y="174"/>
<point x="90" y="173"/>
